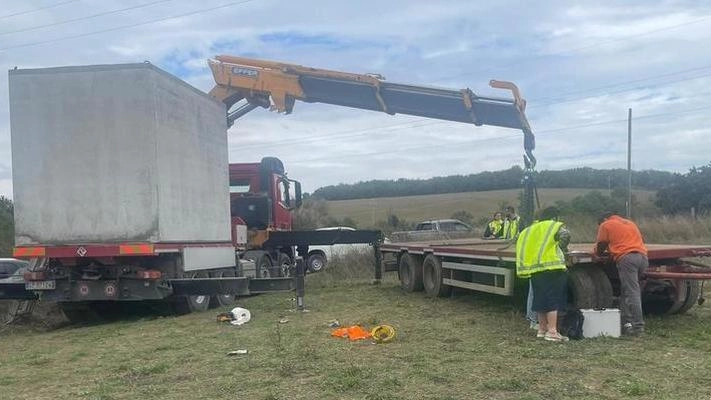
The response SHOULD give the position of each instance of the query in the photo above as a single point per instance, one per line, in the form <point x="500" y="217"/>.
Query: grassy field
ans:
<point x="471" y="346"/>
<point x="366" y="212"/>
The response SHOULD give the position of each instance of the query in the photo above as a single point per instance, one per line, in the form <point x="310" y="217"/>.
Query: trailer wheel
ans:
<point x="432" y="278"/>
<point x="222" y="300"/>
<point x="589" y="287"/>
<point x="663" y="297"/>
<point x="693" y="291"/>
<point x="603" y="287"/>
<point x="410" y="272"/>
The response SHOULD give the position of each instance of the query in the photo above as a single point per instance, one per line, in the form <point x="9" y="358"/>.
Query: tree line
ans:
<point x="582" y="178"/>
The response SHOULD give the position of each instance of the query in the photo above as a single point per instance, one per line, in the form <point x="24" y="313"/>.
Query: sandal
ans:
<point x="555" y="337"/>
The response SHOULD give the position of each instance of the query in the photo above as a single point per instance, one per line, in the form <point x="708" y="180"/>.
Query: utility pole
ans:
<point x="629" y="163"/>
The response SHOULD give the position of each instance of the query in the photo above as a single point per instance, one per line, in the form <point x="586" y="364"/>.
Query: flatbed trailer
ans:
<point x="672" y="283"/>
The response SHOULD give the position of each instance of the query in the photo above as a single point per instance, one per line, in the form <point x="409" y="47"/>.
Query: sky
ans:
<point x="579" y="64"/>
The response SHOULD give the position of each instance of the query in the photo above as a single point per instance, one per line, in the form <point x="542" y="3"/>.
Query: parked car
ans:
<point x="319" y="255"/>
<point x="435" y="229"/>
<point x="8" y="266"/>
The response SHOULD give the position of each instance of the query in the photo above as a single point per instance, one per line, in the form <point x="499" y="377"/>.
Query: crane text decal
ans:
<point x="245" y="72"/>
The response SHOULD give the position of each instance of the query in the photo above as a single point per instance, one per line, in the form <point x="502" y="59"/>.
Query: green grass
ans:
<point x="367" y="212"/>
<point x="468" y="346"/>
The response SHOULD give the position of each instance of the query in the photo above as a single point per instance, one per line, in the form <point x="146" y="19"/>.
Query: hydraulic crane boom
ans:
<point x="277" y="86"/>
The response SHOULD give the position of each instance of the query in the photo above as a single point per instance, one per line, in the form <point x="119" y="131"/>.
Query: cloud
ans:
<point x="571" y="60"/>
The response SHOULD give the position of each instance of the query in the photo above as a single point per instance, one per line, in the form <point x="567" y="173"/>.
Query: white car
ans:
<point x="319" y="255"/>
<point x="9" y="266"/>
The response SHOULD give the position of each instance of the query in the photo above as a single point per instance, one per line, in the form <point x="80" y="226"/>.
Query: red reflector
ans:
<point x="149" y="274"/>
<point x="34" y="276"/>
<point x="136" y="249"/>
<point x="21" y="252"/>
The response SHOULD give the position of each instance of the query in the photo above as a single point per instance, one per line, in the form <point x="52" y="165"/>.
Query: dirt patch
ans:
<point x="44" y="317"/>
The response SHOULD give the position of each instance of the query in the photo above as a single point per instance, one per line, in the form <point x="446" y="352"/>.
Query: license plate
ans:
<point x="40" y="285"/>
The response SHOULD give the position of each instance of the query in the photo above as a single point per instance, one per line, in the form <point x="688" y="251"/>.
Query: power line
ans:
<point x="191" y="13"/>
<point x="68" y="21"/>
<point x="574" y="50"/>
<point x="341" y="135"/>
<point x="666" y="28"/>
<point x="541" y="104"/>
<point x="560" y="130"/>
<point x="370" y="131"/>
<point x="37" y="9"/>
<point x="624" y="83"/>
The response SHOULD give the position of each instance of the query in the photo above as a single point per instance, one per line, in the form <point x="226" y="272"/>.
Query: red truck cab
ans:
<point x="262" y="197"/>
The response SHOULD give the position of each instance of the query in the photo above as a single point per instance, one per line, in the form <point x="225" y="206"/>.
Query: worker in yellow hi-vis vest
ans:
<point x="540" y="256"/>
<point x="512" y="223"/>
<point x="495" y="227"/>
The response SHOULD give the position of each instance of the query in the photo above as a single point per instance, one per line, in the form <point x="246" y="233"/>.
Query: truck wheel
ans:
<point x="189" y="304"/>
<point x="284" y="264"/>
<point x="432" y="278"/>
<point x="316" y="262"/>
<point x="222" y="300"/>
<point x="264" y="266"/>
<point x="410" y="272"/>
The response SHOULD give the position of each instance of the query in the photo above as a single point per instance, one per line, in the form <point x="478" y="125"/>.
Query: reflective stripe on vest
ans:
<point x="537" y="250"/>
<point x="511" y="228"/>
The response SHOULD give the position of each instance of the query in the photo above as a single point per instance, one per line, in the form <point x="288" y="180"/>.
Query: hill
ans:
<point x="367" y="212"/>
<point x="579" y="178"/>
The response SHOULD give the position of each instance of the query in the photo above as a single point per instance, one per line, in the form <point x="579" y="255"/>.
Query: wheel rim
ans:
<point x="316" y="264"/>
<point x="264" y="270"/>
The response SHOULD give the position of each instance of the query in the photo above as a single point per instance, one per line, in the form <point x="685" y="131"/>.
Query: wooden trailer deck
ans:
<point x="505" y="250"/>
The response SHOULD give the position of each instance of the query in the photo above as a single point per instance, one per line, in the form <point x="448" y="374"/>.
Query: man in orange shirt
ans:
<point x="622" y="240"/>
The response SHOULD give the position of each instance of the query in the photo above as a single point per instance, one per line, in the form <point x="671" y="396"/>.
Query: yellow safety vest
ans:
<point x="537" y="250"/>
<point x="511" y="228"/>
<point x="495" y="227"/>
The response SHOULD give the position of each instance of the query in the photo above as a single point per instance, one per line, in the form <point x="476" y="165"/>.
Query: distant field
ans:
<point x="414" y="208"/>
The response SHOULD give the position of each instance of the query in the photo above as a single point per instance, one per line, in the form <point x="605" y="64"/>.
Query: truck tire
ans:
<point x="284" y="264"/>
<point x="189" y="303"/>
<point x="432" y="276"/>
<point x="264" y="266"/>
<point x="316" y="262"/>
<point x="222" y="300"/>
<point x="410" y="272"/>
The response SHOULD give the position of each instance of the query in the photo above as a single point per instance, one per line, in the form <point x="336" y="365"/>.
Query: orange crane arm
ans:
<point x="277" y="86"/>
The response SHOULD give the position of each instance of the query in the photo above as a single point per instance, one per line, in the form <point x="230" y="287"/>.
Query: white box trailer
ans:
<point x="121" y="188"/>
<point x="116" y="153"/>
